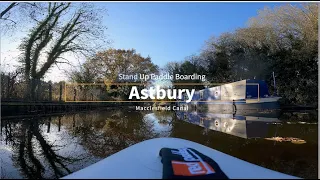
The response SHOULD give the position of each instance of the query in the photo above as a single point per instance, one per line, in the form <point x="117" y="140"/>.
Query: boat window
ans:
<point x="201" y="94"/>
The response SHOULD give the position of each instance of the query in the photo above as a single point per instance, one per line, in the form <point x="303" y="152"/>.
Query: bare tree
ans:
<point x="64" y="28"/>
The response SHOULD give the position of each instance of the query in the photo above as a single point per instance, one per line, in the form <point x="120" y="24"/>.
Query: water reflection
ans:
<point x="237" y="125"/>
<point x="160" y="122"/>
<point x="33" y="151"/>
<point x="54" y="146"/>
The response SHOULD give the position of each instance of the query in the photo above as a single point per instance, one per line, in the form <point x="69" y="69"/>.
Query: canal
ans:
<point x="54" y="146"/>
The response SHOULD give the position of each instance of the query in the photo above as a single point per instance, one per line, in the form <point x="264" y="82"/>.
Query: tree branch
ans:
<point x="12" y="5"/>
<point x="7" y="19"/>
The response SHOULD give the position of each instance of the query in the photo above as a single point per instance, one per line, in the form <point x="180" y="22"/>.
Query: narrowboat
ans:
<point x="246" y="96"/>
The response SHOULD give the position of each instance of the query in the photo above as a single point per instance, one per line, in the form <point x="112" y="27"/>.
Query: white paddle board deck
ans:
<point x="142" y="160"/>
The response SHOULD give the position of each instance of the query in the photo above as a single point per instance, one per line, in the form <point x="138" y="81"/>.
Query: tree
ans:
<point x="63" y="28"/>
<point x="291" y="35"/>
<point x="113" y="62"/>
<point x="106" y="66"/>
<point x="172" y="67"/>
<point x="283" y="22"/>
<point x="86" y="74"/>
<point x="191" y="65"/>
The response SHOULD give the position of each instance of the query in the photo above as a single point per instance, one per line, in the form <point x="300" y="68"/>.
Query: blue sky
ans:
<point x="164" y="31"/>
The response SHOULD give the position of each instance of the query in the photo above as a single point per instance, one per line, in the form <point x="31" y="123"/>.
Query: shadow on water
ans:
<point x="52" y="147"/>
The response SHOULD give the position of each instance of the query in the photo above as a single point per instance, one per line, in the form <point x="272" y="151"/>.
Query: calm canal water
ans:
<point x="52" y="147"/>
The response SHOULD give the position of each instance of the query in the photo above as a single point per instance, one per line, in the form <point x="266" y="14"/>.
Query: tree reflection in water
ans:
<point x="31" y="150"/>
<point x="106" y="133"/>
<point x="40" y="146"/>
